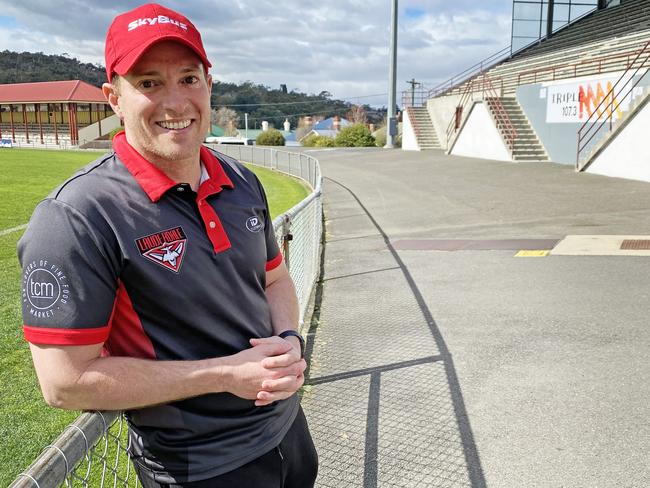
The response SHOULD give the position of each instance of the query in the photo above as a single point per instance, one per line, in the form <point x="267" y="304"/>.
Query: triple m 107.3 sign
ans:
<point x="575" y="101"/>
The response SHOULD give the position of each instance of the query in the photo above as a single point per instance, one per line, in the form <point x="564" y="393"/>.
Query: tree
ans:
<point x="357" y="115"/>
<point x="356" y="135"/>
<point x="227" y="119"/>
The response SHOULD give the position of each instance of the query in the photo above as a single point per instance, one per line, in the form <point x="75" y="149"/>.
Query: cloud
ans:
<point x="340" y="46"/>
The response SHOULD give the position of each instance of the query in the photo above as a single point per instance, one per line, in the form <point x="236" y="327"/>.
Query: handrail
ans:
<point x="493" y="99"/>
<point x="475" y="70"/>
<point x="477" y="84"/>
<point x="599" y="60"/>
<point x="415" y="98"/>
<point x="457" y="80"/>
<point x="503" y="122"/>
<point x="611" y="104"/>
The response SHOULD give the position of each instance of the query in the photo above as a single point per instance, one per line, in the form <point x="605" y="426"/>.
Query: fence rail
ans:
<point x="92" y="451"/>
<point x="601" y="121"/>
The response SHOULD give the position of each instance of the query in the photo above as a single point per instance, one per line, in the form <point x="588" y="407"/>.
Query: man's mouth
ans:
<point x="181" y="124"/>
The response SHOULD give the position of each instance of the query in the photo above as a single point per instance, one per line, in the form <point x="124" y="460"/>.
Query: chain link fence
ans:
<point x="92" y="452"/>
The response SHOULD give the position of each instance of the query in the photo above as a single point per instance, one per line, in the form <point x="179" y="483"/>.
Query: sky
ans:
<point x="339" y="46"/>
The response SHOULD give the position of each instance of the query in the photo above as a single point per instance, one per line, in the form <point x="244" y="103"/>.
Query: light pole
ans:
<point x="391" y="131"/>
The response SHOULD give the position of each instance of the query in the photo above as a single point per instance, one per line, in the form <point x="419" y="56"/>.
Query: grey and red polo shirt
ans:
<point x="122" y="255"/>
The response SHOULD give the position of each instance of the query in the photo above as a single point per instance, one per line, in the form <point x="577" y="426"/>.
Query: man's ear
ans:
<point x="209" y="80"/>
<point x="112" y="96"/>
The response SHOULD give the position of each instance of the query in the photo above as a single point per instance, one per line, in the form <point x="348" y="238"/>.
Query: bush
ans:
<point x="324" y="141"/>
<point x="314" y="140"/>
<point x="310" y="140"/>
<point x="271" y="137"/>
<point x="380" y="138"/>
<point x="357" y="135"/>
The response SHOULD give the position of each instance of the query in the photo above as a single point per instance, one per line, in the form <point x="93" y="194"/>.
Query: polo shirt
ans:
<point x="122" y="255"/>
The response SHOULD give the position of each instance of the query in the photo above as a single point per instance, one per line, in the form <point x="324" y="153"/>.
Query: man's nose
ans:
<point x="176" y="100"/>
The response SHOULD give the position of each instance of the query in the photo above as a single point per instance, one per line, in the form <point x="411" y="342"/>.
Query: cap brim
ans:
<point x="127" y="62"/>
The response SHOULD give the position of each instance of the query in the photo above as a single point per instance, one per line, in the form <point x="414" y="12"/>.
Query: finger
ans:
<point x="286" y="383"/>
<point x="277" y="373"/>
<point x="266" y="340"/>
<point x="273" y="349"/>
<point x="275" y="344"/>
<point x="267" y="397"/>
<point x="283" y="360"/>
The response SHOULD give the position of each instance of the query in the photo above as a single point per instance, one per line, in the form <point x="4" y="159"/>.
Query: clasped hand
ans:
<point x="269" y="371"/>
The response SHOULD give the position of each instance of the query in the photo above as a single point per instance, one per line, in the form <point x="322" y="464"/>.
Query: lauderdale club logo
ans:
<point x="165" y="248"/>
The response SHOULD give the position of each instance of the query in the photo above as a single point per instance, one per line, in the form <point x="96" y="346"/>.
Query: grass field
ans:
<point x="26" y="423"/>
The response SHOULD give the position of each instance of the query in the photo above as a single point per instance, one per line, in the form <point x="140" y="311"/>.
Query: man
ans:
<point x="153" y="283"/>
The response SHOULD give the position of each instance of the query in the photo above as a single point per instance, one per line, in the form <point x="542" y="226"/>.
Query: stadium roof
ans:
<point x="50" y="92"/>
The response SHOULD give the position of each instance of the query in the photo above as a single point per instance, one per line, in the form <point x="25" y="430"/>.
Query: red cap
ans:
<point x="133" y="32"/>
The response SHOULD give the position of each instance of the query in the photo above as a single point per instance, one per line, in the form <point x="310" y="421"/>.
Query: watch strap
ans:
<point x="291" y="332"/>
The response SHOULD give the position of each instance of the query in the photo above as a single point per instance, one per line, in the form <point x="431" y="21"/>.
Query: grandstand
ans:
<point x="565" y="98"/>
<point x="54" y="114"/>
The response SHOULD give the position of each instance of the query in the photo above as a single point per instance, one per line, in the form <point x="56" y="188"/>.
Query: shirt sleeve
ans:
<point x="69" y="277"/>
<point x="273" y="255"/>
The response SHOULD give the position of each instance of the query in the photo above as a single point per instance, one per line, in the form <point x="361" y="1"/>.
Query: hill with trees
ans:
<point x="260" y="102"/>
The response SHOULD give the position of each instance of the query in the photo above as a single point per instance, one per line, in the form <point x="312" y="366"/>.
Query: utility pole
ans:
<point x="413" y="84"/>
<point x="392" y="82"/>
<point x="246" y="125"/>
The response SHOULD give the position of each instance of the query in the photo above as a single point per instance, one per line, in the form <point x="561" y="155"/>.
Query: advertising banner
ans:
<point x="575" y="101"/>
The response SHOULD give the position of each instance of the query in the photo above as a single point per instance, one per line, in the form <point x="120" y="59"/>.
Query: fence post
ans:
<point x="286" y="238"/>
<point x="301" y="171"/>
<point x="311" y="181"/>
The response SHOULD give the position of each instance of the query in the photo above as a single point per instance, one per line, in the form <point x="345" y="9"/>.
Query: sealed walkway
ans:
<point x="470" y="367"/>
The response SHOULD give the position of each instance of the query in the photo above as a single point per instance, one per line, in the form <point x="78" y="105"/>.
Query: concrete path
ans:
<point x="470" y="367"/>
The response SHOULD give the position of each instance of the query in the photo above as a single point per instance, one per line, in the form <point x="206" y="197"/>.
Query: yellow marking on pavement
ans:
<point x="531" y="254"/>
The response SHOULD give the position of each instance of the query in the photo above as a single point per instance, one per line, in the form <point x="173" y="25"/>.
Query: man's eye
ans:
<point x="147" y="84"/>
<point x="190" y="80"/>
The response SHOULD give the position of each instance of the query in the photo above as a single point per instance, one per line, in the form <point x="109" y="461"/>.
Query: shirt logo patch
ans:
<point x="254" y="224"/>
<point x="45" y="288"/>
<point x="165" y="248"/>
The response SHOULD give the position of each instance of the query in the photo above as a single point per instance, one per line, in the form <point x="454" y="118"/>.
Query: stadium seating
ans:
<point x="603" y="41"/>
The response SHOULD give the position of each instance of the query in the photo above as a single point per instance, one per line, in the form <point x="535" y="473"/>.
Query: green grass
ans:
<point x="27" y="424"/>
<point x="282" y="192"/>
<point x="29" y="175"/>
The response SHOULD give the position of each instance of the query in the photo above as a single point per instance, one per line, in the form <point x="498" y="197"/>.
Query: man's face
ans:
<point x="164" y="101"/>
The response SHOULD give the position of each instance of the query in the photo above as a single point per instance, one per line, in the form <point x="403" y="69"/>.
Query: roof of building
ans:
<point x="216" y="131"/>
<point x="328" y="124"/>
<point x="324" y="132"/>
<point x="51" y="91"/>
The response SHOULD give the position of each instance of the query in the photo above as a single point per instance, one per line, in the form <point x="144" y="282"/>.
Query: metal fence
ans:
<point x="92" y="451"/>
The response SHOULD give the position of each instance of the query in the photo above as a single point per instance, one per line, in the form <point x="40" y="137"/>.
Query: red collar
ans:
<point x="155" y="182"/>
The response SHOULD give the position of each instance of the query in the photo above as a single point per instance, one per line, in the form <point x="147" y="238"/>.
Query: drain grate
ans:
<point x="643" y="244"/>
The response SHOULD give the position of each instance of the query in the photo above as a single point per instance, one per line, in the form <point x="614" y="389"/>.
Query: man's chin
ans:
<point x="175" y="149"/>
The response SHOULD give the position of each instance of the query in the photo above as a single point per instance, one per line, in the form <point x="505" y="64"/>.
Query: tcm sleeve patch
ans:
<point x="68" y="282"/>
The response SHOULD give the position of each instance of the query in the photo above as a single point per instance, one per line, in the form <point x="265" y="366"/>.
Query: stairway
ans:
<point x="423" y="128"/>
<point x="527" y="146"/>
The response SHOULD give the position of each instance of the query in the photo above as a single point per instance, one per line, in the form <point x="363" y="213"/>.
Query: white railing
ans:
<point x="93" y="451"/>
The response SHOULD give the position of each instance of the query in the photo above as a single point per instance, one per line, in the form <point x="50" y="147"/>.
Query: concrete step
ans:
<point x="425" y="133"/>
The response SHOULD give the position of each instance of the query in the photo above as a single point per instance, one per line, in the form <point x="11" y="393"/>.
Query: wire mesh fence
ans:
<point x="92" y="452"/>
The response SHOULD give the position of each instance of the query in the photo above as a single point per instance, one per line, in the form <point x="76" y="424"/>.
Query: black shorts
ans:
<point x="292" y="464"/>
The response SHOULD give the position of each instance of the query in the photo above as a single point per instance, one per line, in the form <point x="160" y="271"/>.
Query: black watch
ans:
<point x="291" y="332"/>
